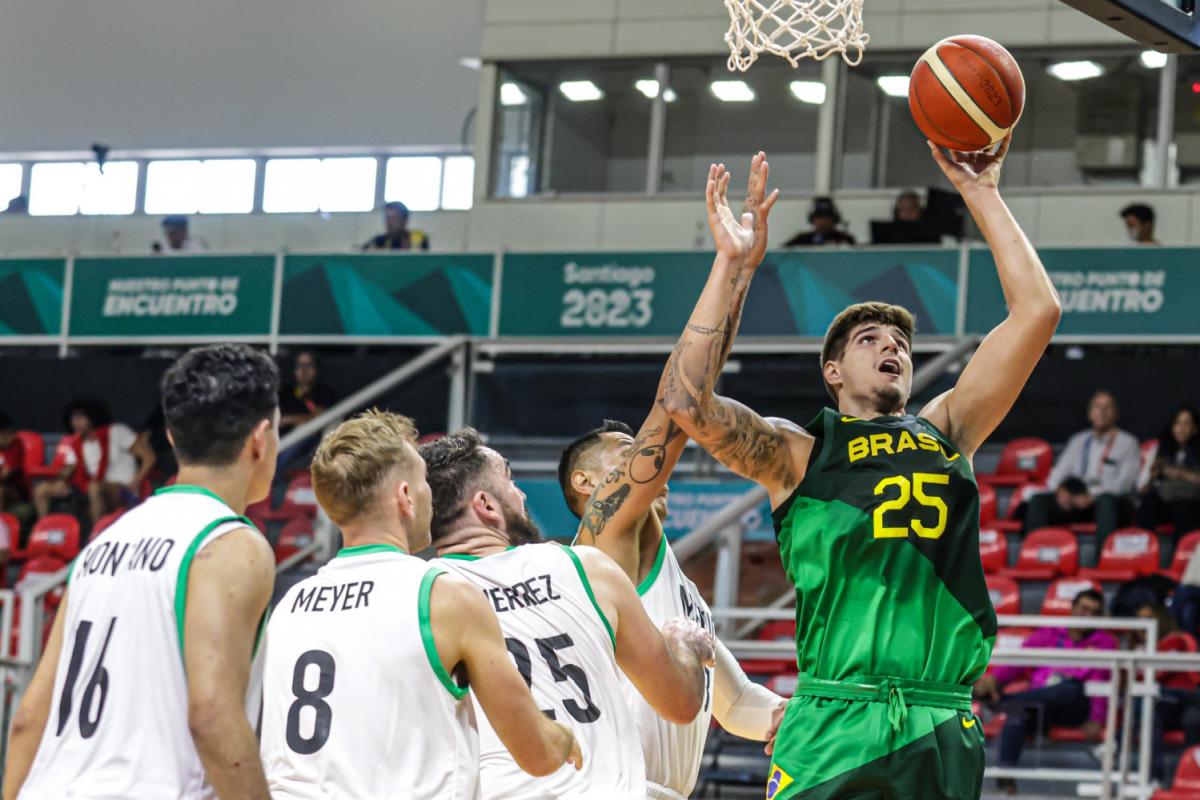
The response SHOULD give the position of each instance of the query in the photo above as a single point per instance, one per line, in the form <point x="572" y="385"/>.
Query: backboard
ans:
<point x="1169" y="26"/>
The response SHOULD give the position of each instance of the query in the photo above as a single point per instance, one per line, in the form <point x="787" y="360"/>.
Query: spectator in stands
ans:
<point x="100" y="461"/>
<point x="1094" y="476"/>
<point x="153" y="434"/>
<point x="18" y="205"/>
<point x="1170" y="491"/>
<point x="1185" y="605"/>
<point x="1055" y="695"/>
<point x="306" y="396"/>
<point x="1139" y="223"/>
<point x="908" y="207"/>
<point x="14" y="484"/>
<point x="825" y="219"/>
<point x="178" y="240"/>
<point x="398" y="236"/>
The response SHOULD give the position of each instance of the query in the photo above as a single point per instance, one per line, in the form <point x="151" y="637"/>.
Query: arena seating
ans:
<point x="776" y="630"/>
<point x="56" y="536"/>
<point x="1127" y="553"/>
<point x="1024" y="461"/>
<point x="295" y="536"/>
<point x="1062" y="593"/>
<point x="1186" y="785"/>
<point x="1183" y="552"/>
<point x="1045" y="554"/>
<point x="993" y="550"/>
<point x="1005" y="594"/>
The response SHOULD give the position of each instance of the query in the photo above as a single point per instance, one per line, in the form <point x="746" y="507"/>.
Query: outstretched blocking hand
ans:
<point x="759" y="205"/>
<point x="972" y="171"/>
<point x="734" y="238"/>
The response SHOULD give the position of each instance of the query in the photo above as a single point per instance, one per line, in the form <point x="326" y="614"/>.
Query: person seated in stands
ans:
<point x="1055" y="695"/>
<point x="1094" y="476"/>
<point x="14" y="483"/>
<point x="303" y="399"/>
<point x="397" y="234"/>
<point x="176" y="239"/>
<point x="1170" y="489"/>
<point x="825" y="219"/>
<point x="1139" y="223"/>
<point x="100" y="461"/>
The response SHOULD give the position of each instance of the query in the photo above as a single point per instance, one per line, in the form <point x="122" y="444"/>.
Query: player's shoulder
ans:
<point x="240" y="546"/>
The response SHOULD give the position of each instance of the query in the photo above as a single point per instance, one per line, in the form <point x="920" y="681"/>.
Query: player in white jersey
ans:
<point x="573" y="624"/>
<point x="145" y="688"/>
<point x="617" y="485"/>
<point x="369" y="661"/>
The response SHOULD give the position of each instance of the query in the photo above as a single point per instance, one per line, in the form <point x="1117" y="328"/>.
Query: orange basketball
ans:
<point x="966" y="93"/>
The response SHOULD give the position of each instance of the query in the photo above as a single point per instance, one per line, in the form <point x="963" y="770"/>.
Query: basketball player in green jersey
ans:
<point x="877" y="515"/>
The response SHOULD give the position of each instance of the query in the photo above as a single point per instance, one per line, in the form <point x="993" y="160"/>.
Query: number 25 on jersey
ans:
<point x="921" y="487"/>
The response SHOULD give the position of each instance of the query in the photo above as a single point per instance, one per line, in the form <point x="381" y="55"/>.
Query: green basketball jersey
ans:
<point x="881" y="541"/>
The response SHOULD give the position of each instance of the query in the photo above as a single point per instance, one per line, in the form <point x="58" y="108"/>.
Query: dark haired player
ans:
<point x="877" y="515"/>
<point x="145" y="688"/>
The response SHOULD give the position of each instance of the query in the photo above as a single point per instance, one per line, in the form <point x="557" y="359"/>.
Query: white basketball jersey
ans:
<point x="673" y="752"/>
<point x="564" y="647"/>
<point x="118" y="724"/>
<point x="356" y="702"/>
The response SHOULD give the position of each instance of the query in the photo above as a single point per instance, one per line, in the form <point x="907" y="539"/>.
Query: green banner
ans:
<point x="795" y="293"/>
<point x="31" y="296"/>
<point x="210" y="296"/>
<point x="387" y="295"/>
<point x="1127" y="291"/>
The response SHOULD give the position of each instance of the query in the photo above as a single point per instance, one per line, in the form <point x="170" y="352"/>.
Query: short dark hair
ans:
<point x="844" y="323"/>
<point x="213" y="397"/>
<point x="398" y="207"/>
<point x="1089" y="594"/>
<point x="96" y="412"/>
<point x="1139" y="211"/>
<point x="453" y="465"/>
<point x="575" y="452"/>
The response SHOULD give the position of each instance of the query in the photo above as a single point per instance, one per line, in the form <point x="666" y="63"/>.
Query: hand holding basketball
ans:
<point x="972" y="171"/>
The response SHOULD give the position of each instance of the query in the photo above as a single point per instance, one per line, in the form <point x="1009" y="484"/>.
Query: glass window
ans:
<point x="518" y="137"/>
<point x="415" y="181"/>
<point x="10" y="182"/>
<point x="300" y="185"/>
<point x="458" y="182"/>
<point x="716" y="116"/>
<point x="75" y="187"/>
<point x="219" y="186"/>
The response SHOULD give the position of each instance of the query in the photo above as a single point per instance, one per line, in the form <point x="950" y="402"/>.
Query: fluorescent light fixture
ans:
<point x="893" y="85"/>
<point x="732" y="91"/>
<point x="580" y="91"/>
<point x="1152" y="59"/>
<point x="812" y="92"/>
<point x="512" y="95"/>
<point x="648" y="87"/>
<point x="470" y="62"/>
<point x="669" y="95"/>
<point x="1075" y="70"/>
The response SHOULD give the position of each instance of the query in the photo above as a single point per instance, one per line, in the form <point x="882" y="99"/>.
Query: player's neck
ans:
<point x="368" y="533"/>
<point x="229" y="485"/>
<point x="473" y="540"/>
<point x="852" y="407"/>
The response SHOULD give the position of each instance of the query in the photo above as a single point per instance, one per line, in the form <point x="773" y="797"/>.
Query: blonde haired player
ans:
<point x="617" y="483"/>
<point x="572" y="623"/>
<point x="146" y="687"/>
<point x="369" y="661"/>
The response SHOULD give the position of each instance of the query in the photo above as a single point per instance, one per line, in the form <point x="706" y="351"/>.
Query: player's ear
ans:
<point x="487" y="509"/>
<point x="258" y="439"/>
<point x="405" y="499"/>
<point x="833" y="373"/>
<point x="582" y="483"/>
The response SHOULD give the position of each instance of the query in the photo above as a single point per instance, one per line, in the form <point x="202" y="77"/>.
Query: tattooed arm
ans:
<point x="616" y="513"/>
<point x="772" y="452"/>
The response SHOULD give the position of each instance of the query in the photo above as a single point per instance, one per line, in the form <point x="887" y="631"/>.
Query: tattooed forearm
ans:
<point x="601" y="509"/>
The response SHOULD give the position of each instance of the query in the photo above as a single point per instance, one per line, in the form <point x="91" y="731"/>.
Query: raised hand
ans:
<point x="734" y="238"/>
<point x="759" y="206"/>
<point x="972" y="171"/>
<point x="689" y="636"/>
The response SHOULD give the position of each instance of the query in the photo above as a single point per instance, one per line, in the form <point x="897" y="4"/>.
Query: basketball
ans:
<point x="966" y="93"/>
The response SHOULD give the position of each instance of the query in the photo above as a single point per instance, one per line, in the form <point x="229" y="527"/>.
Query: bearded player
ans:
<point x="877" y="515"/>
<point x="616" y="483"/>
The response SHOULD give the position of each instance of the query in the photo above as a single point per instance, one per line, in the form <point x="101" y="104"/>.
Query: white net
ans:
<point x="794" y="29"/>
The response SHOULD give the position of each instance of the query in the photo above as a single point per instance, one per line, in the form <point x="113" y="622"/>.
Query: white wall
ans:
<point x="235" y="73"/>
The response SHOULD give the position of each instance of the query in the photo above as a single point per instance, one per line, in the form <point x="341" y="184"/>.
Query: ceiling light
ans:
<point x="471" y="62"/>
<point x="732" y="91"/>
<point x="512" y="95"/>
<point x="648" y="87"/>
<point x="580" y="91"/>
<point x="669" y="95"/>
<point x="893" y="85"/>
<point x="808" y="91"/>
<point x="1152" y="59"/>
<point x="1075" y="70"/>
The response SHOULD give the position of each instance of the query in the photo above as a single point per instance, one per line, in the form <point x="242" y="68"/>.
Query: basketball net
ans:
<point x="794" y="29"/>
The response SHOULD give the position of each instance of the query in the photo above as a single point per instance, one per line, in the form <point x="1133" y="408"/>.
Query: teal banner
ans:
<point x="1143" y="291"/>
<point x="387" y="295"/>
<point x="795" y="293"/>
<point x="31" y="296"/>
<point x="204" y="296"/>
<point x="691" y="504"/>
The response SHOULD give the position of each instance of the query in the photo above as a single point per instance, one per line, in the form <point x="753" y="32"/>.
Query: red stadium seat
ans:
<point x="1062" y="593"/>
<point x="104" y="522"/>
<point x="1012" y="522"/>
<point x="776" y="630"/>
<point x="1186" y="785"/>
<point x="1149" y="450"/>
<point x="1063" y="734"/>
<point x="54" y="535"/>
<point x="987" y="505"/>
<point x="1127" y="553"/>
<point x="1012" y="638"/>
<point x="298" y="501"/>
<point x="1178" y="642"/>
<point x="1184" y="548"/>
<point x="1023" y="461"/>
<point x="1005" y="594"/>
<point x="10" y="529"/>
<point x="35" y="455"/>
<point x="1047" y="553"/>
<point x="294" y="537"/>
<point x="993" y="550"/>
